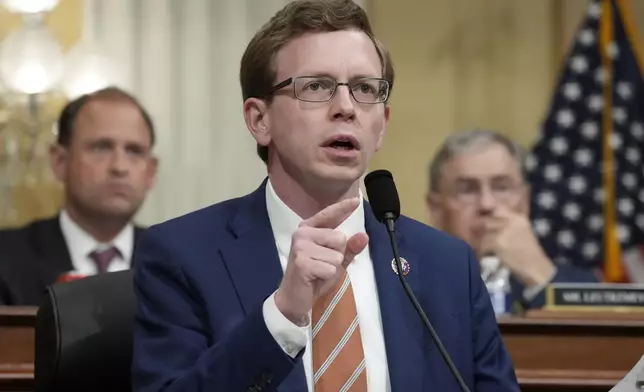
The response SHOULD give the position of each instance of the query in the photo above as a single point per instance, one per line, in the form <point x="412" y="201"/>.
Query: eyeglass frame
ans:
<point x="513" y="191"/>
<point x="292" y="79"/>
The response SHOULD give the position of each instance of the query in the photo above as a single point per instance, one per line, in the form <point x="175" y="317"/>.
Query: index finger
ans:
<point x="333" y="215"/>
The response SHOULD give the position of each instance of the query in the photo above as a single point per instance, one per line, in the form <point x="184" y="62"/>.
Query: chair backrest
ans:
<point x="84" y="335"/>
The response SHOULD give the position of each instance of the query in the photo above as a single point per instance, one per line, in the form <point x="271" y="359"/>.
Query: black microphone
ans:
<point x="384" y="201"/>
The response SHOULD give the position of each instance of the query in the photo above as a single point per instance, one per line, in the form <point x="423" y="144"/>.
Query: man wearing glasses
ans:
<point x="291" y="287"/>
<point x="477" y="192"/>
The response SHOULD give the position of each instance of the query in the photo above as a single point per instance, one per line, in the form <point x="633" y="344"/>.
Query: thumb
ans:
<point x="355" y="244"/>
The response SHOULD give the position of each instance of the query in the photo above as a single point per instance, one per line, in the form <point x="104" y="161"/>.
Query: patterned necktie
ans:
<point x="338" y="357"/>
<point x="103" y="258"/>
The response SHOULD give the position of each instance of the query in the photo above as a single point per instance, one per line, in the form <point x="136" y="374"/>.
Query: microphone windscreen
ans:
<point x="382" y="194"/>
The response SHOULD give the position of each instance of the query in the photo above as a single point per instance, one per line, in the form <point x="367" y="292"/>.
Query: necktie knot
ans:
<point x="103" y="258"/>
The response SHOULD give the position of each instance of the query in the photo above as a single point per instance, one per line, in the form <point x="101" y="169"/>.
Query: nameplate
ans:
<point x="595" y="296"/>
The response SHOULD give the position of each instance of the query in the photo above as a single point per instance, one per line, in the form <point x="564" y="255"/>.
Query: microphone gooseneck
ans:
<point x="384" y="201"/>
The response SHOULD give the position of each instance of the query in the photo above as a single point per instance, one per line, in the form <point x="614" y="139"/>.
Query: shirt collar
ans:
<point x="80" y="243"/>
<point x="285" y="221"/>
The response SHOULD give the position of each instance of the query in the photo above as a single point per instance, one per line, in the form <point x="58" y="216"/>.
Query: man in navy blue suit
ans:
<point x="291" y="288"/>
<point x="478" y="192"/>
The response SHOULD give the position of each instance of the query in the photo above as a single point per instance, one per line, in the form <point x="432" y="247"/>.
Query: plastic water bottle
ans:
<point x="497" y="281"/>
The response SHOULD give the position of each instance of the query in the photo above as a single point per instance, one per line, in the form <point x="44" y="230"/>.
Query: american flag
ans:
<point x="586" y="169"/>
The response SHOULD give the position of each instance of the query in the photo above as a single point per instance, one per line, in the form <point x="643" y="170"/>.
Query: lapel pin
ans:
<point x="405" y="266"/>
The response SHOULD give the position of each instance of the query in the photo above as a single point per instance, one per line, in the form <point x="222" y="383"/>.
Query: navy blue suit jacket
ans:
<point x="201" y="280"/>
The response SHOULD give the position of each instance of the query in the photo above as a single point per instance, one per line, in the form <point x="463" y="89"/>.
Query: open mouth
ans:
<point x="344" y="143"/>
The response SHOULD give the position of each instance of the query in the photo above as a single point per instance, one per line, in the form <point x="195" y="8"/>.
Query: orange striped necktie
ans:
<point x="338" y="357"/>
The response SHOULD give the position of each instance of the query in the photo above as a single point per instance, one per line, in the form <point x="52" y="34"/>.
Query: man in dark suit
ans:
<point x="291" y="287"/>
<point x="477" y="192"/>
<point x="103" y="157"/>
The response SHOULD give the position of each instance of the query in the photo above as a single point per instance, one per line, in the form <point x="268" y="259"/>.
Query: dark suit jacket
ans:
<point x="31" y="258"/>
<point x="201" y="280"/>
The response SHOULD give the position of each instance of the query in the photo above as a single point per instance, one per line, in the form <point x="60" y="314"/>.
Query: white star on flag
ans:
<point x="566" y="238"/>
<point x="572" y="211"/>
<point x="600" y="75"/>
<point x="590" y="250"/>
<point x="541" y="227"/>
<point x="579" y="64"/>
<point x="619" y="115"/>
<point x="637" y="130"/>
<point x="587" y="37"/>
<point x="559" y="146"/>
<point x="633" y="155"/>
<point x="589" y="130"/>
<point x="594" y="10"/>
<point x="577" y="184"/>
<point x="583" y="157"/>
<point x="613" y="50"/>
<point x="596" y="103"/>
<point x="596" y="222"/>
<point x="553" y="173"/>
<point x="547" y="200"/>
<point x="565" y="118"/>
<point x="629" y="180"/>
<point x="616" y="141"/>
<point x="572" y="91"/>
<point x="624" y="90"/>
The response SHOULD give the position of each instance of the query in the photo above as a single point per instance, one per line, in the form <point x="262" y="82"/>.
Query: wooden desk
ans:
<point x="556" y="351"/>
<point x="552" y="352"/>
<point x="17" y="353"/>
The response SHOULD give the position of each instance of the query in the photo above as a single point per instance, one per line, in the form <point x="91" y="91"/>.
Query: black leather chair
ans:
<point x="84" y="335"/>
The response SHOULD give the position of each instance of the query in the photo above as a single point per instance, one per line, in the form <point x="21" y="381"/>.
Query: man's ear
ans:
<point x="257" y="120"/>
<point x="58" y="161"/>
<point x="435" y="208"/>
<point x="153" y="169"/>
<point x="381" y="136"/>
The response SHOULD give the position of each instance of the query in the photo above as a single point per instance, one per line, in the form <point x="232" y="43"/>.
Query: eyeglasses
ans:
<point x="322" y="89"/>
<point x="503" y="192"/>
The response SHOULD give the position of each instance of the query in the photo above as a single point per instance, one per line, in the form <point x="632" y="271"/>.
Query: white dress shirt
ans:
<point x="491" y="265"/>
<point x="81" y="244"/>
<point x="292" y="338"/>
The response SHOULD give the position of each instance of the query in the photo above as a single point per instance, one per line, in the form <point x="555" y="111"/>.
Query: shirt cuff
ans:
<point x="290" y="337"/>
<point x="530" y="293"/>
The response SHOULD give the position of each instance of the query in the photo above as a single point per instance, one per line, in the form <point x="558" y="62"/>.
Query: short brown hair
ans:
<point x="70" y="112"/>
<point x="257" y="73"/>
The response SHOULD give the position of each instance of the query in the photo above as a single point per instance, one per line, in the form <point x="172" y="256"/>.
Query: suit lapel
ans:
<point x="253" y="262"/>
<point x="402" y="327"/>
<point x="138" y="230"/>
<point x="51" y="249"/>
<point x="251" y="255"/>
